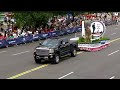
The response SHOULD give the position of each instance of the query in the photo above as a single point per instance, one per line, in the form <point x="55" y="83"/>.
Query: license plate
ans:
<point x="46" y="57"/>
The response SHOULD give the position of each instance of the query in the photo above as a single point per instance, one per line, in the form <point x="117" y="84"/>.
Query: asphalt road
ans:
<point x="17" y="62"/>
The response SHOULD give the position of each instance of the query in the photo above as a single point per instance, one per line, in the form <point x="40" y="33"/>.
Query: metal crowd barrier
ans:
<point x="31" y="38"/>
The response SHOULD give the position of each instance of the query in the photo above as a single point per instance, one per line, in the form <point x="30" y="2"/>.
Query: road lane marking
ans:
<point x="26" y="72"/>
<point x="20" y="53"/>
<point x="113" y="52"/>
<point x="65" y="75"/>
<point x="113" y="34"/>
<point x="112" y="77"/>
<point x="114" y="40"/>
<point x="34" y="69"/>
<point x="79" y="52"/>
<point x="3" y="52"/>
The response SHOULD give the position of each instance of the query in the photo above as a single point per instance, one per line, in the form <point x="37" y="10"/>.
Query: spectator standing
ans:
<point x="11" y="36"/>
<point x="15" y="35"/>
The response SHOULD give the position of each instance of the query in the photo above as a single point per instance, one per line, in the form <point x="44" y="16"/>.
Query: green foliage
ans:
<point x="104" y="38"/>
<point x="101" y="39"/>
<point x="31" y="18"/>
<point x="82" y="40"/>
<point x="96" y="41"/>
<point x="37" y="18"/>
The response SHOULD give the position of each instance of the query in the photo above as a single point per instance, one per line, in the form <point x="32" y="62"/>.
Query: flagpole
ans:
<point x="83" y="29"/>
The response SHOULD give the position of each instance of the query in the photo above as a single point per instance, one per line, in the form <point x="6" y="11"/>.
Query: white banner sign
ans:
<point x="98" y="28"/>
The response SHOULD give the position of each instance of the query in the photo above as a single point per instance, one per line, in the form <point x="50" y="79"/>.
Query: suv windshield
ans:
<point x="51" y="43"/>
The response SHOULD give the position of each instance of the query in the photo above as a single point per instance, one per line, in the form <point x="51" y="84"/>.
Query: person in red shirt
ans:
<point x="51" y="29"/>
<point x="45" y="30"/>
<point x="2" y="37"/>
<point x="48" y="30"/>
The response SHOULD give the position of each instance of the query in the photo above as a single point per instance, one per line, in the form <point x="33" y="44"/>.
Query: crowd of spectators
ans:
<point x="8" y="30"/>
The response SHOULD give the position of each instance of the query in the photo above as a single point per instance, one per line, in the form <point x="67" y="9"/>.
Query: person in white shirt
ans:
<point x="19" y="32"/>
<point x="37" y="32"/>
<point x="12" y="20"/>
<point x="15" y="35"/>
<point x="23" y="33"/>
<point x="29" y="32"/>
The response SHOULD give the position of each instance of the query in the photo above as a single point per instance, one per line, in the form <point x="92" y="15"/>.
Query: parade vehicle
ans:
<point x="54" y="49"/>
<point x="92" y="37"/>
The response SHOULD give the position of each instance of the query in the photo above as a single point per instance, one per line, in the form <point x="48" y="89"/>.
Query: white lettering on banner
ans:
<point x="68" y="30"/>
<point x="11" y="42"/>
<point x="45" y="35"/>
<point x="53" y="33"/>
<point x="23" y="39"/>
<point x="36" y="37"/>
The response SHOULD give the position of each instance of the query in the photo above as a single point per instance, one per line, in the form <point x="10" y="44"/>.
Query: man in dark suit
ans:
<point x="93" y="26"/>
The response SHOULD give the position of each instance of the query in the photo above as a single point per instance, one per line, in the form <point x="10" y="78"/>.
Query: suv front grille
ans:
<point x="42" y="52"/>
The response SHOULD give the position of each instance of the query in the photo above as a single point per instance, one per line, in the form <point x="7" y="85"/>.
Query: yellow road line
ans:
<point x="79" y="52"/>
<point x="114" y="40"/>
<point x="34" y="69"/>
<point x="26" y="72"/>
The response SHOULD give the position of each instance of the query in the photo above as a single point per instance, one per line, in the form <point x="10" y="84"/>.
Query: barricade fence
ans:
<point x="37" y="37"/>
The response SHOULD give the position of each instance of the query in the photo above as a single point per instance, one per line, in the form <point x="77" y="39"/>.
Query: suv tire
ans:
<point x="56" y="59"/>
<point x="74" y="53"/>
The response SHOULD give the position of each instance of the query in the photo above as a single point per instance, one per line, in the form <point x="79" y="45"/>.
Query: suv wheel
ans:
<point x="74" y="53"/>
<point x="56" y="59"/>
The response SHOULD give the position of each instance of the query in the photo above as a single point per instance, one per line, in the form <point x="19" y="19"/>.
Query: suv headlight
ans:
<point x="51" y="50"/>
<point x="35" y="50"/>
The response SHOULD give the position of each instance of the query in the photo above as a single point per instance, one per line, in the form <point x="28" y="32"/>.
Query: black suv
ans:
<point x="54" y="49"/>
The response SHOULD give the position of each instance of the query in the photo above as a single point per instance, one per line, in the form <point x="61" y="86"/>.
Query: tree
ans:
<point x="31" y="18"/>
<point x="36" y="18"/>
<point x="20" y="19"/>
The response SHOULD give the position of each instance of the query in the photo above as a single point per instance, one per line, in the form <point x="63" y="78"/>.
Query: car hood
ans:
<point x="44" y="47"/>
